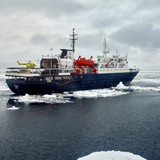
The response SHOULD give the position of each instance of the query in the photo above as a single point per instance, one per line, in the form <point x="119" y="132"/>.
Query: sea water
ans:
<point x="104" y="124"/>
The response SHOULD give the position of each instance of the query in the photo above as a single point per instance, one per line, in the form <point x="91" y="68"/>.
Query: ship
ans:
<point x="63" y="73"/>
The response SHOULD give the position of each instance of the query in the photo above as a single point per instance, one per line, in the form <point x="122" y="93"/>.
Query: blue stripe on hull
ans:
<point x="77" y="82"/>
<point x="95" y="81"/>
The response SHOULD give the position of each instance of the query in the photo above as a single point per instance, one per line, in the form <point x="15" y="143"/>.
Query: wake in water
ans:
<point x="112" y="155"/>
<point x="68" y="97"/>
<point x="120" y="86"/>
<point x="98" y="93"/>
<point x="3" y="86"/>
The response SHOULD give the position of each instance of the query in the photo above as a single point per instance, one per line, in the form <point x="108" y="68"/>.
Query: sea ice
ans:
<point x="13" y="108"/>
<point x="112" y="155"/>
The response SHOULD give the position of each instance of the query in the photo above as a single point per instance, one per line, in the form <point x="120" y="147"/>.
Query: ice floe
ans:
<point x="13" y="108"/>
<point x="112" y="155"/>
<point x="53" y="98"/>
<point x="67" y="97"/>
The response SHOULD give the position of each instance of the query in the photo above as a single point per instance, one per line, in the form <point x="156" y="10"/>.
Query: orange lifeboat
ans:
<point x="84" y="62"/>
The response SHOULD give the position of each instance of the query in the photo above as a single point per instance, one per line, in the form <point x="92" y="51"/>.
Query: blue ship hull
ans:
<point x="60" y="84"/>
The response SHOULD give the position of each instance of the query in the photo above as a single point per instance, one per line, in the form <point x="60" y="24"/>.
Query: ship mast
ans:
<point x="73" y="38"/>
<point x="105" y="47"/>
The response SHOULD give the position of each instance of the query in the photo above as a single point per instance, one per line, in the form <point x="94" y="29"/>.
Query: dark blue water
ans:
<point x="67" y="131"/>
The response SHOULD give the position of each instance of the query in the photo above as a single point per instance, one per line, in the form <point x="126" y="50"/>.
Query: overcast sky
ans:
<point x="29" y="28"/>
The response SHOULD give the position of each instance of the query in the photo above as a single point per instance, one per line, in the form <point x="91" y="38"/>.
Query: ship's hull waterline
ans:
<point x="70" y="83"/>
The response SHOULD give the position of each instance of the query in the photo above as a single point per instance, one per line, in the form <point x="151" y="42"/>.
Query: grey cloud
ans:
<point x="144" y="36"/>
<point x="154" y="4"/>
<point x="10" y="38"/>
<point x="52" y="40"/>
<point x="104" y="22"/>
<point x="40" y="39"/>
<point x="113" y="15"/>
<point x="91" y="40"/>
<point x="122" y="13"/>
<point x="49" y="7"/>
